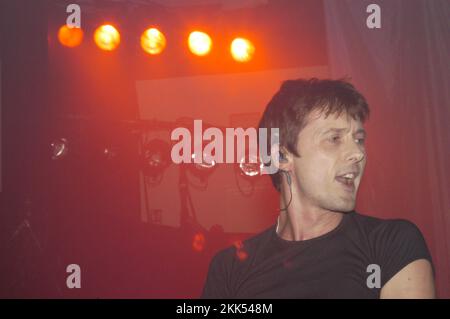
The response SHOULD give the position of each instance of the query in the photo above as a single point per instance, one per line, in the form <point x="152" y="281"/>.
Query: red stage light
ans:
<point x="198" y="242"/>
<point x="70" y="37"/>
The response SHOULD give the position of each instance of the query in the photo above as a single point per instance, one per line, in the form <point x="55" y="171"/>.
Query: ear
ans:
<point x="288" y="163"/>
<point x="285" y="164"/>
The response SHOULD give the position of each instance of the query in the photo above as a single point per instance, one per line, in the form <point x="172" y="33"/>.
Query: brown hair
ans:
<point x="289" y="107"/>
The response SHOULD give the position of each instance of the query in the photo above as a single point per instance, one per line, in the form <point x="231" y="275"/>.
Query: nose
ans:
<point x="356" y="153"/>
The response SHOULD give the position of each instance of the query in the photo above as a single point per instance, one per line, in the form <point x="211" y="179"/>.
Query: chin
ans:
<point x="343" y="207"/>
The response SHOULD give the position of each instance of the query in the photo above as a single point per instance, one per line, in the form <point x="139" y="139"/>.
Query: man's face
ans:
<point x="332" y="160"/>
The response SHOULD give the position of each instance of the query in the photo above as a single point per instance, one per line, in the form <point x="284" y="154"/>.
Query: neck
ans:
<point x="302" y="220"/>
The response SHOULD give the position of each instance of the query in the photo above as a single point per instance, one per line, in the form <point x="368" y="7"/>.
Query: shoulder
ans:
<point x="240" y="250"/>
<point x="227" y="265"/>
<point x="395" y="243"/>
<point x="386" y="229"/>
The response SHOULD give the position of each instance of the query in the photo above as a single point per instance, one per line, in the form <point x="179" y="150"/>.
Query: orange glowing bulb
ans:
<point x="200" y="43"/>
<point x="107" y="37"/>
<point x="242" y="50"/>
<point x="70" y="37"/>
<point x="153" y="41"/>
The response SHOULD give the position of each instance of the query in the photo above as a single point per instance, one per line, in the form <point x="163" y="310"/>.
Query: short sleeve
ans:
<point x="399" y="244"/>
<point x="216" y="285"/>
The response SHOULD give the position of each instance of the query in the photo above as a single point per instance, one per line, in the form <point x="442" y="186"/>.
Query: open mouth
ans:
<point x="347" y="181"/>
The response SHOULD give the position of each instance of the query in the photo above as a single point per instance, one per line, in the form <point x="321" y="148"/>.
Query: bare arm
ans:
<point x="414" y="281"/>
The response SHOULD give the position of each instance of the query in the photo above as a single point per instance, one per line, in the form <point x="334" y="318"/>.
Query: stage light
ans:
<point x="198" y="242"/>
<point x="153" y="41"/>
<point x="206" y="163"/>
<point x="59" y="148"/>
<point x="242" y="50"/>
<point x="241" y="253"/>
<point x="251" y="169"/>
<point x="199" y="43"/>
<point x="203" y="169"/>
<point x="110" y="152"/>
<point x="107" y="37"/>
<point x="70" y="37"/>
<point x="156" y="157"/>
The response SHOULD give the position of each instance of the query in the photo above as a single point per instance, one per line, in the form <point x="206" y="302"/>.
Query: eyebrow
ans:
<point x="339" y="130"/>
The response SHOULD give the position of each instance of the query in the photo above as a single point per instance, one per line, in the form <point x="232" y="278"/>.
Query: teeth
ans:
<point x="349" y="175"/>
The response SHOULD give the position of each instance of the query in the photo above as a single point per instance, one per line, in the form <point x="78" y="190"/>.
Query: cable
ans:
<point x="288" y="177"/>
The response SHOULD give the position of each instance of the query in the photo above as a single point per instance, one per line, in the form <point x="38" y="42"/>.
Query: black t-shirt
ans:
<point x="334" y="265"/>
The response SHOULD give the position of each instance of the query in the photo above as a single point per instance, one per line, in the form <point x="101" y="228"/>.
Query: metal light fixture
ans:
<point x="59" y="148"/>
<point x="156" y="157"/>
<point x="204" y="168"/>
<point x="250" y="169"/>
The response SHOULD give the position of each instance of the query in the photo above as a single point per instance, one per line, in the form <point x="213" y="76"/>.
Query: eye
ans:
<point x="335" y="139"/>
<point x="360" y="141"/>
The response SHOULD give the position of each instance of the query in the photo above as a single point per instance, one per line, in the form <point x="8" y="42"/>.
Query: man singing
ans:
<point x="320" y="247"/>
